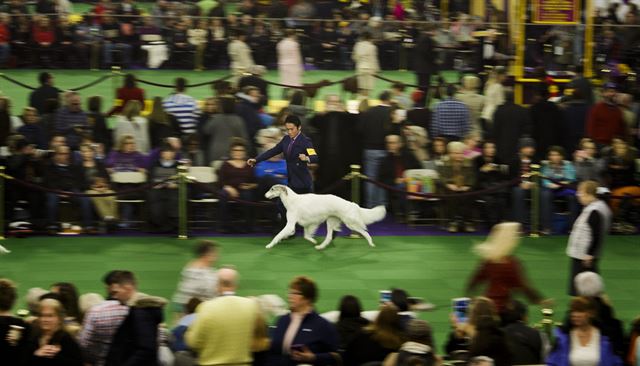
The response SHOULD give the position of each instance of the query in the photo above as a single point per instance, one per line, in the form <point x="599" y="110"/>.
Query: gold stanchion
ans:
<point x="182" y="202"/>
<point x="535" y="200"/>
<point x="355" y="190"/>
<point x="3" y="181"/>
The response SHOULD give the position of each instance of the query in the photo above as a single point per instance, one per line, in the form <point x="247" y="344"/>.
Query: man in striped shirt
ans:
<point x="451" y="118"/>
<point x="183" y="107"/>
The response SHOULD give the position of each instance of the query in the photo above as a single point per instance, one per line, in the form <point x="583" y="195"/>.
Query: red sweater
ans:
<point x="604" y="123"/>
<point x="127" y="94"/>
<point x="43" y="35"/>
<point x="5" y="34"/>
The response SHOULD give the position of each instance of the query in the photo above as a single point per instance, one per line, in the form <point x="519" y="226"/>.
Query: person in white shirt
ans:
<point x="199" y="278"/>
<point x="290" y="65"/>
<point x="365" y="55"/>
<point x="240" y="56"/>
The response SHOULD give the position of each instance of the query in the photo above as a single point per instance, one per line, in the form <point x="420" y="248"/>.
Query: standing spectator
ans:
<point x="490" y="172"/>
<point x="136" y="340"/>
<point x="583" y="84"/>
<point x="392" y="170"/>
<point x="14" y="332"/>
<point x="303" y="336"/>
<point x="494" y="95"/>
<point x="423" y="63"/>
<point x="605" y="118"/>
<point x="520" y="167"/>
<point x="130" y="122"/>
<point x="575" y="113"/>
<point x="100" y="325"/>
<point x="365" y="56"/>
<point x="510" y="123"/>
<point x="290" y="65"/>
<point x="183" y="107"/>
<point x="46" y="91"/>
<point x="588" y="233"/>
<point x="457" y="176"/>
<point x="221" y="128"/>
<point x="350" y="322"/>
<point x="255" y="77"/>
<point x="128" y="91"/>
<point x="379" y="339"/>
<point x="248" y="108"/>
<point x="451" y="117"/>
<point x="546" y="122"/>
<point x="98" y="124"/>
<point x="161" y="124"/>
<point x="163" y="196"/>
<point x="71" y="121"/>
<point x="228" y="328"/>
<point x="527" y="345"/>
<point x="374" y="124"/>
<point x="239" y="55"/>
<point x="51" y="344"/>
<point x="473" y="100"/>
<point x="198" y="39"/>
<point x="198" y="278"/>
<point x="419" y="346"/>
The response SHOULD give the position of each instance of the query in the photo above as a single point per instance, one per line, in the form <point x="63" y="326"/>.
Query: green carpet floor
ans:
<point x="435" y="268"/>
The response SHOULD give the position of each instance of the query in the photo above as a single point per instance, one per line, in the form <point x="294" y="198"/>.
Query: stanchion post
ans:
<point x="2" y="203"/>
<point x="182" y="201"/>
<point x="535" y="200"/>
<point x="355" y="190"/>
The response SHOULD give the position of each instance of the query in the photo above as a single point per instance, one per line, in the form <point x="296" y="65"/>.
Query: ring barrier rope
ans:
<point x="141" y="188"/>
<point x="160" y="85"/>
<point x="95" y="82"/>
<point x="493" y="189"/>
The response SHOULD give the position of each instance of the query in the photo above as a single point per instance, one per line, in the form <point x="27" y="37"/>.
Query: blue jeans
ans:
<point x="126" y="50"/>
<point x="5" y="51"/>
<point x="86" y="209"/>
<point x="518" y="205"/>
<point x="372" y="159"/>
<point x="547" y="196"/>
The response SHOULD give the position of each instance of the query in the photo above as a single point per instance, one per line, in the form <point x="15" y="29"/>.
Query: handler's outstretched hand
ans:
<point x="251" y="162"/>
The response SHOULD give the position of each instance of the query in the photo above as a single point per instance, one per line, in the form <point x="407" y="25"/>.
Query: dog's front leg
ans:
<point x="287" y="231"/>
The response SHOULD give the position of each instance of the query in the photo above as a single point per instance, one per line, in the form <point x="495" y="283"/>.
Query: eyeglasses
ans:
<point x="293" y="292"/>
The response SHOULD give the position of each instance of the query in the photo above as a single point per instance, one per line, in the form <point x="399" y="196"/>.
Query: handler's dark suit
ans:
<point x="297" y="171"/>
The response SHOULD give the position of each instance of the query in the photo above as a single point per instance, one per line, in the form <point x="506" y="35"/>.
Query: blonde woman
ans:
<point x="160" y="124"/>
<point x="131" y="123"/>
<point x="51" y="343"/>
<point x="493" y="94"/>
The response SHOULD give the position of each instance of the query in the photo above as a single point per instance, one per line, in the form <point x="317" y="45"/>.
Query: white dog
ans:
<point x="4" y="250"/>
<point x="311" y="210"/>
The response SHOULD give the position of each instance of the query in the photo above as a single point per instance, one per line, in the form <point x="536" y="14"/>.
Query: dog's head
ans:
<point x="276" y="191"/>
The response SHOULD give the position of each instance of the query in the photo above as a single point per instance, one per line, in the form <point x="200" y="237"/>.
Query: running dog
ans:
<point x="311" y="210"/>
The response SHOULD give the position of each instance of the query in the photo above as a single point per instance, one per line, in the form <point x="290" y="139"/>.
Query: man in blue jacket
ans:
<point x="298" y="152"/>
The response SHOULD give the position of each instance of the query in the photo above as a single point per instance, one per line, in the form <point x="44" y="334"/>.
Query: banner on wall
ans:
<point x="556" y="11"/>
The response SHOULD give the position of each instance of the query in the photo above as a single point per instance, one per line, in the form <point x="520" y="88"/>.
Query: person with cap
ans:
<point x="588" y="232"/>
<point x="520" y="167"/>
<point x="298" y="152"/>
<point x="500" y="269"/>
<point x="605" y="120"/>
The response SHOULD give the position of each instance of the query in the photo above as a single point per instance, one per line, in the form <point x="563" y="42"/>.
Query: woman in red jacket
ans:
<point x="129" y="91"/>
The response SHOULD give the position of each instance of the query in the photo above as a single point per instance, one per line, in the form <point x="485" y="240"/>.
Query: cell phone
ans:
<point x="460" y="307"/>
<point x="297" y="347"/>
<point x="385" y="296"/>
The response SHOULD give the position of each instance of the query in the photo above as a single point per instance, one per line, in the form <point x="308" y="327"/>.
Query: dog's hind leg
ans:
<point x="309" y="232"/>
<point x="4" y="250"/>
<point x="362" y="231"/>
<point x="287" y="231"/>
<point x="333" y="224"/>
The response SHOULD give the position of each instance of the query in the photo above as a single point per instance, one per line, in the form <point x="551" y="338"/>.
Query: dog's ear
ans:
<point x="283" y="189"/>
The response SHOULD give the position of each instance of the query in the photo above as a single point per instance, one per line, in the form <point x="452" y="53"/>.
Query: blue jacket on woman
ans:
<point x="315" y="332"/>
<point x="559" y="356"/>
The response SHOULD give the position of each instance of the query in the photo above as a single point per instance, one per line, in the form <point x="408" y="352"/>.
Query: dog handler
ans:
<point x="298" y="152"/>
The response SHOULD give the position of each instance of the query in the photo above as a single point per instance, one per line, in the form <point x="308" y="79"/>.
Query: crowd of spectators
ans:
<point x="67" y="148"/>
<point x="214" y="325"/>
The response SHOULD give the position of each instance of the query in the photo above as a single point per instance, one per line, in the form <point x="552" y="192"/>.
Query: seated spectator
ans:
<point x="161" y="124"/>
<point x="43" y="38"/>
<point x="237" y="180"/>
<point x="101" y="133"/>
<point x="271" y="171"/>
<point x="526" y="344"/>
<point x="60" y="174"/>
<point x="131" y="123"/>
<point x="588" y="166"/>
<point x="163" y="197"/>
<point x="14" y="332"/>
<point x="197" y="37"/>
<point x="392" y="169"/>
<point x="198" y="277"/>
<point x="416" y="141"/>
<point x="471" y="150"/>
<point x="418" y="349"/>
<point x="520" y="167"/>
<point x="216" y="43"/>
<point x="68" y="295"/>
<point x="192" y="151"/>
<point x="563" y="174"/>
<point x="350" y="323"/>
<point x="114" y="38"/>
<point x="490" y="341"/>
<point x="491" y="172"/>
<point x="5" y="39"/>
<point x="128" y="91"/>
<point x="581" y="342"/>
<point x="24" y="163"/>
<point x="377" y="340"/>
<point x="31" y="129"/>
<point x="126" y="158"/>
<point x="70" y="120"/>
<point x="96" y="175"/>
<point x="456" y="176"/>
<point x="51" y="343"/>
<point x="178" y="42"/>
<point x="152" y="41"/>
<point x="303" y="336"/>
<point x="437" y="154"/>
<point x="619" y="172"/>
<point x="178" y="343"/>
<point x="222" y="128"/>
<point x="464" y="330"/>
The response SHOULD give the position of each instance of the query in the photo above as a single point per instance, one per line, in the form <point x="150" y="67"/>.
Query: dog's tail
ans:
<point x="371" y="215"/>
